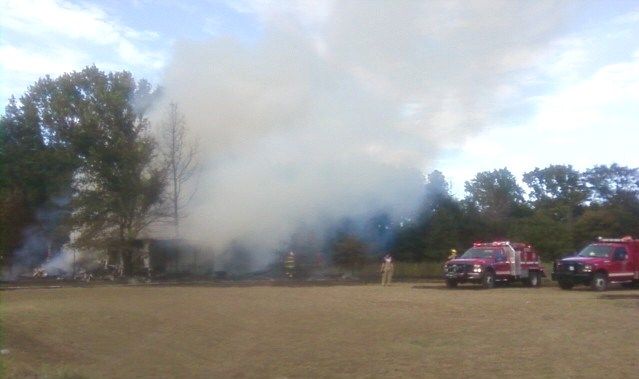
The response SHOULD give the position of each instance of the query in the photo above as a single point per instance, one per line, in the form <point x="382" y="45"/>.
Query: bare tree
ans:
<point x="180" y="155"/>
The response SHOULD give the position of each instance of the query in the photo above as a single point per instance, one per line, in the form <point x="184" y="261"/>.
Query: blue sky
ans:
<point x="568" y="93"/>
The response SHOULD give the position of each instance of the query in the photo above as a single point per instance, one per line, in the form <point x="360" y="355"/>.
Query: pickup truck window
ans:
<point x="480" y="252"/>
<point x="620" y="254"/>
<point x="594" y="250"/>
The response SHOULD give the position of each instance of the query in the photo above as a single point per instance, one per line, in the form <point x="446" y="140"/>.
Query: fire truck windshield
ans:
<point x="480" y="252"/>
<point x="597" y="251"/>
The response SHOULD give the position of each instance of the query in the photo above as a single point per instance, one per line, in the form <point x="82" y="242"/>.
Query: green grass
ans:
<point x="405" y="330"/>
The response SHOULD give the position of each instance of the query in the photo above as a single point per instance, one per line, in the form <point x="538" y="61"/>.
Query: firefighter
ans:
<point x="453" y="254"/>
<point x="289" y="265"/>
<point x="386" y="269"/>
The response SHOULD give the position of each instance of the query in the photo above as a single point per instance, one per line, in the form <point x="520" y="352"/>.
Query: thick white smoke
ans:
<point x="337" y="109"/>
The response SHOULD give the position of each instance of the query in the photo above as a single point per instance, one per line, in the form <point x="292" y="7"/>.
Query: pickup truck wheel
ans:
<point x="451" y="283"/>
<point x="566" y="284"/>
<point x="489" y="280"/>
<point x="599" y="282"/>
<point x="535" y="279"/>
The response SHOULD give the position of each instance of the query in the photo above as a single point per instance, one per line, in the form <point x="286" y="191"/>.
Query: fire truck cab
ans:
<point x="608" y="260"/>
<point x="499" y="261"/>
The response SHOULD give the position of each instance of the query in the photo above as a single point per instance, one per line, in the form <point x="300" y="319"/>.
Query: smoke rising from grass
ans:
<point x="337" y="109"/>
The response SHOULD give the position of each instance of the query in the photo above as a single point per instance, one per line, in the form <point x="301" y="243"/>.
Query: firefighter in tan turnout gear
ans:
<point x="453" y="254"/>
<point x="289" y="265"/>
<point x="387" y="269"/>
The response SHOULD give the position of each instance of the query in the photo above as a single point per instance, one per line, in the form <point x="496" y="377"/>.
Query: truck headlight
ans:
<point x="476" y="268"/>
<point x="588" y="268"/>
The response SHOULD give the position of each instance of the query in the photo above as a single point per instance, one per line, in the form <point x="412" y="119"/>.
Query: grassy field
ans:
<point x="406" y="330"/>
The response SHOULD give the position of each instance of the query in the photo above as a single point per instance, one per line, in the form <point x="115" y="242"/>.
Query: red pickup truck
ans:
<point x="608" y="260"/>
<point x="499" y="261"/>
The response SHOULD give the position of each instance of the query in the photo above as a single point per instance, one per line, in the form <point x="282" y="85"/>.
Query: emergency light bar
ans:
<point x="496" y="243"/>
<point x="623" y="239"/>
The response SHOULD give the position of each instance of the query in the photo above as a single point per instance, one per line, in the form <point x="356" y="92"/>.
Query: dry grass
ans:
<point x="406" y="330"/>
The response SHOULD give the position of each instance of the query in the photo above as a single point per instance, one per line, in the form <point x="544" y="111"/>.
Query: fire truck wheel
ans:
<point x="451" y="283"/>
<point x="599" y="282"/>
<point x="566" y="284"/>
<point x="535" y="279"/>
<point x="489" y="280"/>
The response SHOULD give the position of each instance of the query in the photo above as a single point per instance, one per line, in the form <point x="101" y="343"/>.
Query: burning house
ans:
<point x="151" y="258"/>
<point x="177" y="257"/>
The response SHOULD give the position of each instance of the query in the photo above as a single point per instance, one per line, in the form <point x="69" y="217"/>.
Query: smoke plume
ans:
<point x="336" y="109"/>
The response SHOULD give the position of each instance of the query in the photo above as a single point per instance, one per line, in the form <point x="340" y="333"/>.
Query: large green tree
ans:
<point x="443" y="223"/>
<point x="118" y="188"/>
<point x="614" y="203"/>
<point x="38" y="169"/>
<point x="558" y="194"/>
<point x="4" y="191"/>
<point x="498" y="198"/>
<point x="77" y="155"/>
<point x="552" y="238"/>
<point x="608" y="182"/>
<point x="556" y="184"/>
<point x="495" y="193"/>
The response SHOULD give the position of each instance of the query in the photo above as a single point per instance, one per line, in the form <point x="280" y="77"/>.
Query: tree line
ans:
<point x="562" y="210"/>
<point x="77" y="156"/>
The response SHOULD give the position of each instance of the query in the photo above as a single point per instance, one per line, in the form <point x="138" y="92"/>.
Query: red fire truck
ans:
<point x="499" y="261"/>
<point x="609" y="260"/>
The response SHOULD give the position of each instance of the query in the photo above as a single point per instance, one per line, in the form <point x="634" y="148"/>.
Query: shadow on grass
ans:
<point x="546" y="284"/>
<point x="444" y="288"/>
<point x="230" y="283"/>
<point x="616" y="296"/>
<point x="611" y="291"/>
<point x="477" y="287"/>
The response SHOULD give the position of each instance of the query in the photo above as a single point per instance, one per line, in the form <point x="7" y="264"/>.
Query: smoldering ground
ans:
<point x="336" y="109"/>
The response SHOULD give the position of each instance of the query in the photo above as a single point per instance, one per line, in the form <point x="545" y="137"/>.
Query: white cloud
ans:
<point x="23" y="66"/>
<point x="628" y="18"/>
<point x="133" y="55"/>
<point x="66" y="19"/>
<point x="310" y="13"/>
<point x="588" y="122"/>
<point x="579" y="106"/>
<point x="565" y="60"/>
<point x="213" y="25"/>
<point x="610" y="95"/>
<point x="41" y="37"/>
<point x="27" y="61"/>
